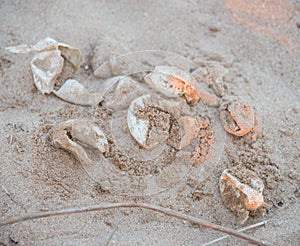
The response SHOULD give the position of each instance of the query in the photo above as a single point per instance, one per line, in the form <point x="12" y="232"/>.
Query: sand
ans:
<point x="257" y="42"/>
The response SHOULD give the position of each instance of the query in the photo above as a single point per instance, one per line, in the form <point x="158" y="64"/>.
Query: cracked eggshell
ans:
<point x="46" y="67"/>
<point x="48" y="61"/>
<point x="61" y="139"/>
<point x="121" y="95"/>
<point x="188" y="130"/>
<point x="241" y="191"/>
<point x="42" y="45"/>
<point x="172" y="82"/>
<point x="139" y="122"/>
<point x="124" y="64"/>
<point x="138" y="127"/>
<point x="86" y="133"/>
<point x="74" y="92"/>
<point x="236" y="116"/>
<point x="100" y="55"/>
<point x="71" y="54"/>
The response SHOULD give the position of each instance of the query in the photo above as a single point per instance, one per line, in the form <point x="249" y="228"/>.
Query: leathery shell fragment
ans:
<point x="70" y="53"/>
<point x="241" y="191"/>
<point x="74" y="92"/>
<point x="237" y="117"/>
<point x="172" y="82"/>
<point x="48" y="61"/>
<point x="148" y="119"/>
<point x="46" y="67"/>
<point x="66" y="133"/>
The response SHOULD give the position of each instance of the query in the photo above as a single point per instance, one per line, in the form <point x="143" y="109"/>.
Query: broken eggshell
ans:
<point x="66" y="133"/>
<point x="148" y="119"/>
<point x="70" y="53"/>
<point x="241" y="191"/>
<point x="74" y="92"/>
<point x="46" y="67"/>
<point x="172" y="82"/>
<point x="236" y="116"/>
<point x="123" y="93"/>
<point x="188" y="130"/>
<point x="48" y="61"/>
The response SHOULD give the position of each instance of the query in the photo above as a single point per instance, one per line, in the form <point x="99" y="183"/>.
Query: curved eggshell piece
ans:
<point x="237" y="117"/>
<point x="122" y="93"/>
<point x="74" y="92"/>
<point x="241" y="191"/>
<point x="138" y="127"/>
<point x="172" y="82"/>
<point x="148" y="119"/>
<point x="46" y="66"/>
<point x="66" y="135"/>
<point x="71" y="54"/>
<point x="42" y="45"/>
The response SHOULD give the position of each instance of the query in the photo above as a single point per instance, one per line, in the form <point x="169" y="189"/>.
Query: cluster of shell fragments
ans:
<point x="159" y="106"/>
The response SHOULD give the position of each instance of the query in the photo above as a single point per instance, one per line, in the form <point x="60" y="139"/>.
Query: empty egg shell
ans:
<point x="46" y="67"/>
<point x="48" y="61"/>
<point x="241" y="191"/>
<point x="122" y="93"/>
<point x="148" y="119"/>
<point x="66" y="133"/>
<point x="74" y="92"/>
<point x="172" y="82"/>
<point x="71" y="54"/>
<point x="236" y="116"/>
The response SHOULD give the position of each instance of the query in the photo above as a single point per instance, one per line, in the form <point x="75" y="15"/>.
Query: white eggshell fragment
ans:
<point x="46" y="67"/>
<point x="138" y="127"/>
<point x="42" y="45"/>
<point x="148" y="119"/>
<point x="48" y="61"/>
<point x="89" y="134"/>
<point x="121" y="95"/>
<point x="241" y="191"/>
<point x="82" y="131"/>
<point x="71" y="54"/>
<point x="172" y="82"/>
<point x="74" y="92"/>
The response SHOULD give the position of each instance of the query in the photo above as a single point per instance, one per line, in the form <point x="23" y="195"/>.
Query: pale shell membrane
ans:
<point x="172" y="82"/>
<point x="70" y="53"/>
<point x="139" y="127"/>
<point x="74" y="92"/>
<point x="46" y="67"/>
<point x="106" y="65"/>
<point x="122" y="93"/>
<point x="48" y="61"/>
<point x="237" y="116"/>
<point x="241" y="191"/>
<point x="84" y="132"/>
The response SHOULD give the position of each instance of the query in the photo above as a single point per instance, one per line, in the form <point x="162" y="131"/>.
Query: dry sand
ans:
<point x="257" y="41"/>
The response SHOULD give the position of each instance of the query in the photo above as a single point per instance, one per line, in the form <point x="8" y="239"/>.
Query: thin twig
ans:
<point x="158" y="209"/>
<point x="239" y="230"/>
<point x="113" y="233"/>
<point x="5" y="190"/>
